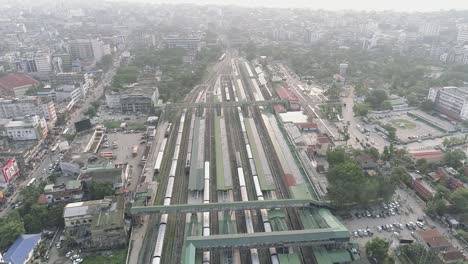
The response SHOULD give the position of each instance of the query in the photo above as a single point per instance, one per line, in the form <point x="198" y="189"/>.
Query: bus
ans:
<point x="65" y="131"/>
<point x="54" y="148"/>
<point x="31" y="182"/>
<point x="107" y="154"/>
<point x="135" y="150"/>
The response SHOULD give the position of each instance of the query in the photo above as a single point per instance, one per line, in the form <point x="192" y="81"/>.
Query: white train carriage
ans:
<point x="258" y="190"/>
<point x="167" y="201"/>
<point x="248" y="221"/>
<point x="249" y="151"/>
<point x="157" y="165"/>
<point x="243" y="127"/>
<point x="176" y="152"/>
<point x="206" y="257"/>
<point x="170" y="186"/>
<point x="244" y="195"/>
<point x="253" y="169"/>
<point x="163" y="219"/>
<point x="172" y="172"/>
<point x="178" y="140"/>
<point x="264" y="214"/>
<point x="240" y="173"/>
<point x="254" y="256"/>
<point x="159" y="244"/>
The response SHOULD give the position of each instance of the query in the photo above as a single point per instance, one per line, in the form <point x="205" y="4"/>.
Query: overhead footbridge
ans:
<point x="230" y="206"/>
<point x="219" y="104"/>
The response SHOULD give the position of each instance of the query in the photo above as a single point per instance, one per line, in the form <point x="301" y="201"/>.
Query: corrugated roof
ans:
<point x="13" y="80"/>
<point x="23" y="246"/>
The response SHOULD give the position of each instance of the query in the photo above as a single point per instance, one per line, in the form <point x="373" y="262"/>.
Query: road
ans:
<point x="50" y="157"/>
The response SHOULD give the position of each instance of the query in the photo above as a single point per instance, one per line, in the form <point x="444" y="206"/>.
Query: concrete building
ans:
<point x="29" y="128"/>
<point x="450" y="101"/>
<point x="429" y="29"/>
<point x="71" y="190"/>
<point x="96" y="225"/>
<point x="432" y="240"/>
<point x="66" y="93"/>
<point x="85" y="81"/>
<point x="343" y="69"/>
<point x="286" y="94"/>
<point x="61" y="62"/>
<point x="430" y="155"/>
<point x="15" y="85"/>
<point x="140" y="98"/>
<point x="190" y="44"/>
<point x="462" y="35"/>
<point x="86" y="49"/>
<point x="29" y="105"/>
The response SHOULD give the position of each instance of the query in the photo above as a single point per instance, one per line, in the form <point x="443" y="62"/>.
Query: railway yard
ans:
<point x="213" y="154"/>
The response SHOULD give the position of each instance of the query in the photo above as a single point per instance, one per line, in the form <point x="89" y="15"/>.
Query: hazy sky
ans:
<point x="400" y="5"/>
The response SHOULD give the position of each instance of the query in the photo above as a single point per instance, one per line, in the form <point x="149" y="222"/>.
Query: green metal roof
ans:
<point x="289" y="259"/>
<point x="225" y="206"/>
<point x="324" y="256"/>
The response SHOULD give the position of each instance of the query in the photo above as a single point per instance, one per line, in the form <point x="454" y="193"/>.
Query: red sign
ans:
<point x="10" y="170"/>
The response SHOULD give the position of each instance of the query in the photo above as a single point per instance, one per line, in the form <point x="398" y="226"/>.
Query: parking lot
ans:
<point x="408" y="128"/>
<point x="389" y="221"/>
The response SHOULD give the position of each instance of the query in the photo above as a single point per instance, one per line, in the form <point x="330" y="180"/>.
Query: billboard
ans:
<point x="82" y="125"/>
<point x="10" y="170"/>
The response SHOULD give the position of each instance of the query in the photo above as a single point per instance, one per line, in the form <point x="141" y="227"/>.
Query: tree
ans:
<point x="401" y="174"/>
<point x="99" y="190"/>
<point x="336" y="156"/>
<point x="10" y="228"/>
<point x="459" y="199"/>
<point x="454" y="158"/>
<point x="376" y="98"/>
<point x="373" y="152"/>
<point x="422" y="165"/>
<point x="427" y="105"/>
<point x="91" y="112"/>
<point x="386" y="154"/>
<point x="377" y="248"/>
<point x="361" y="109"/>
<point x="105" y="63"/>
<point x="437" y="206"/>
<point x="391" y="131"/>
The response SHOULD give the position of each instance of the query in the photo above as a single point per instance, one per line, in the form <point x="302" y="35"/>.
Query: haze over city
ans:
<point x="232" y="132"/>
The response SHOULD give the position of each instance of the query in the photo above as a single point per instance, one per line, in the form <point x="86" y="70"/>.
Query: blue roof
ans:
<point x="24" y="245"/>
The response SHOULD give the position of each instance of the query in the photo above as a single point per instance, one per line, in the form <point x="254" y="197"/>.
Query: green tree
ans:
<point x="361" y="109"/>
<point x="454" y="158"/>
<point x="99" y="190"/>
<point x="91" y="112"/>
<point x="105" y="63"/>
<point x="422" y="165"/>
<point x="336" y="156"/>
<point x="373" y="152"/>
<point x="377" y="248"/>
<point x="427" y="106"/>
<point x="10" y="228"/>
<point x="437" y="206"/>
<point x="376" y="99"/>
<point x="459" y="199"/>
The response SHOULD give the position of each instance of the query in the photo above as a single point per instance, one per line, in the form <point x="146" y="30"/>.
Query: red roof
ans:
<point x="285" y="94"/>
<point x="323" y="140"/>
<point x="427" y="153"/>
<point x="307" y="125"/>
<point x="13" y="80"/>
<point x="279" y="108"/>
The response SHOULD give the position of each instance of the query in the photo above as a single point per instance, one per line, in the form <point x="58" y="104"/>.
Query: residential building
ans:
<point x="429" y="29"/>
<point x="71" y="190"/>
<point x="452" y="255"/>
<point x="16" y="85"/>
<point x="104" y="172"/>
<point x="423" y="189"/>
<point x="28" y="105"/>
<point x="430" y="155"/>
<point x="432" y="240"/>
<point x="85" y="81"/>
<point x="190" y="44"/>
<point x="451" y="101"/>
<point x="286" y="94"/>
<point x="29" y="128"/>
<point x="96" y="225"/>
<point x="462" y="35"/>
<point x="22" y="250"/>
<point x="61" y="62"/>
<point x="66" y="93"/>
<point x="140" y="98"/>
<point x="86" y="49"/>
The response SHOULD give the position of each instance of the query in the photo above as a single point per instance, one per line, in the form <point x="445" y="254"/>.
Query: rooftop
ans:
<point x="420" y="154"/>
<point x="433" y="238"/>
<point x="294" y="117"/>
<point x="13" y="80"/>
<point x="19" y="252"/>
<point x="285" y="94"/>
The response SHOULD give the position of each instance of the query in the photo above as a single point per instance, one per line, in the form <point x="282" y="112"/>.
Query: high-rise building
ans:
<point x="462" y="33"/>
<point x="343" y="69"/>
<point x="86" y="49"/>
<point x="429" y="29"/>
<point x="450" y="101"/>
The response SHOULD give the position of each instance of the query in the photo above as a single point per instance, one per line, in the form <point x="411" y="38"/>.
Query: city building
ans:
<point x="86" y="49"/>
<point x="96" y="225"/>
<point x="22" y="250"/>
<point x="343" y="69"/>
<point x="429" y="29"/>
<point x="398" y="103"/>
<point x="71" y="190"/>
<point x="28" y="105"/>
<point x="462" y="35"/>
<point x="450" y="101"/>
<point x="432" y="240"/>
<point x="9" y="171"/>
<point x="28" y="128"/>
<point x="423" y="189"/>
<point x="430" y="155"/>
<point x="84" y="80"/>
<point x="285" y="94"/>
<point x="68" y="93"/>
<point x="140" y="98"/>
<point x="190" y="44"/>
<point x="105" y="172"/>
<point x="61" y="62"/>
<point x="16" y="84"/>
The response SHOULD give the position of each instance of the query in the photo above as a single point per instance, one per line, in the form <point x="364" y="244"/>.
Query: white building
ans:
<point x="113" y="100"/>
<point x="450" y="101"/>
<point x="429" y="29"/>
<point x="462" y="35"/>
<point x="26" y="106"/>
<point x="30" y="128"/>
<point x="43" y="62"/>
<point x="68" y="93"/>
